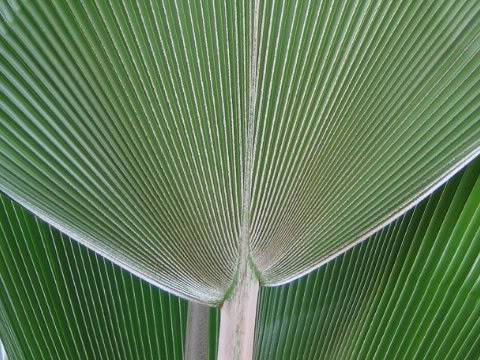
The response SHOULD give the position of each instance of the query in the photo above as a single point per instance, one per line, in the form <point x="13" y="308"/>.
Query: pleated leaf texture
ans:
<point x="411" y="291"/>
<point x="60" y="300"/>
<point x="167" y="136"/>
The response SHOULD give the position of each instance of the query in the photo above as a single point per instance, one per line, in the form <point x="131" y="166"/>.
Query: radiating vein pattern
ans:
<point x="121" y="124"/>
<point x="411" y="291"/>
<point x="154" y="131"/>
<point x="60" y="300"/>
<point x="362" y="108"/>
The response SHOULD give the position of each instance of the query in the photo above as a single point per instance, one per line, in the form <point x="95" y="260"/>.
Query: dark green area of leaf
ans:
<point x="409" y="292"/>
<point x="59" y="300"/>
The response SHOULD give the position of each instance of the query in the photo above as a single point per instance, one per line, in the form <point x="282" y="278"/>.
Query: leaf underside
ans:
<point x="124" y="125"/>
<point x="410" y="292"/>
<point x="60" y="300"/>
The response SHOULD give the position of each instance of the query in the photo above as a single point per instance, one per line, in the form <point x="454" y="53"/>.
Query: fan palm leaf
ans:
<point x="212" y="147"/>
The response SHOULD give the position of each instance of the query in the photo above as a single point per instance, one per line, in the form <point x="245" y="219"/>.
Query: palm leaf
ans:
<point x="212" y="147"/>
<point x="363" y="109"/>
<point x="409" y="292"/>
<point x="410" y="289"/>
<point x="62" y="301"/>
<point x="143" y="130"/>
<point x="115" y="135"/>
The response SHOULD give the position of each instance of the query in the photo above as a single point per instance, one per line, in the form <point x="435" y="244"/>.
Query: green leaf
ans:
<point x="121" y="125"/>
<point x="410" y="292"/>
<point x="179" y="138"/>
<point x="60" y="300"/>
<point x="363" y="108"/>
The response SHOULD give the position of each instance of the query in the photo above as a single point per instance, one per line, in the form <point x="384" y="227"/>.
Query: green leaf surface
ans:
<point x="59" y="300"/>
<point x="410" y="292"/>
<point x="121" y="125"/>
<point x="168" y="136"/>
<point x="363" y="108"/>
